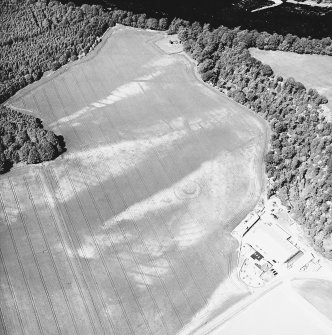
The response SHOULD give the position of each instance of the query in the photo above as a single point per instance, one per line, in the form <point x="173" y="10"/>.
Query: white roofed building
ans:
<point x="271" y="241"/>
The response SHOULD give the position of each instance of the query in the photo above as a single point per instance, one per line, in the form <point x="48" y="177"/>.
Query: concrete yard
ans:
<point x="128" y="232"/>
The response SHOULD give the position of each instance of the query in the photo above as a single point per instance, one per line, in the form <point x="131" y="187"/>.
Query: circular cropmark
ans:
<point x="188" y="191"/>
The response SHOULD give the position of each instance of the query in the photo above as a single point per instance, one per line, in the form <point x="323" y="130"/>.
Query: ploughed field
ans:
<point x="128" y="231"/>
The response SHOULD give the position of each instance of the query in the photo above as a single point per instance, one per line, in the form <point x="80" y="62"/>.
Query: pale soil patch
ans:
<point x="280" y="311"/>
<point x="314" y="71"/>
<point x="317" y="292"/>
<point x="99" y="241"/>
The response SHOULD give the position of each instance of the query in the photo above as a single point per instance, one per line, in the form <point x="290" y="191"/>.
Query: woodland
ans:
<point x="23" y="139"/>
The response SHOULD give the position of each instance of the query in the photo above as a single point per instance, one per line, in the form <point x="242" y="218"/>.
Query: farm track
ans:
<point x="124" y="277"/>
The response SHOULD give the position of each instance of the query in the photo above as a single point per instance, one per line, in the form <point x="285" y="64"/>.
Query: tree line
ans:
<point x="23" y="139"/>
<point x="299" y="163"/>
<point x="267" y="41"/>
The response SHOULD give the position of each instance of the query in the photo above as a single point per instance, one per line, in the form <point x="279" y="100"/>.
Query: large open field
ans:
<point x="314" y="71"/>
<point x="128" y="231"/>
<point x="280" y="311"/>
<point x="318" y="292"/>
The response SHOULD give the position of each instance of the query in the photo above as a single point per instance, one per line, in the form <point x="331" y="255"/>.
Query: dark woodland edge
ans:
<point x="298" y="165"/>
<point x="24" y="140"/>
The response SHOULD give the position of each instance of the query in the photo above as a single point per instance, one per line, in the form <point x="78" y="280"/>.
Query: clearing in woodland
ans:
<point x="129" y="231"/>
<point x="313" y="71"/>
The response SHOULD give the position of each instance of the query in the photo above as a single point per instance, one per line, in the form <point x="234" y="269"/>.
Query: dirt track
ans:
<point x="128" y="232"/>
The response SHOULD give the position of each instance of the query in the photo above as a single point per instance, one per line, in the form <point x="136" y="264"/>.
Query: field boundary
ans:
<point x="262" y="177"/>
<point x="43" y="80"/>
<point x="82" y="200"/>
<point x="191" y="64"/>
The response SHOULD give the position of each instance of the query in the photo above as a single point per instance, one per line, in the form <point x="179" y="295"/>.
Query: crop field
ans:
<point x="280" y="311"/>
<point x="314" y="71"/>
<point x="318" y="292"/>
<point x="128" y="232"/>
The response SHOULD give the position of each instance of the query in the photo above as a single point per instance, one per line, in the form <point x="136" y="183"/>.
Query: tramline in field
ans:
<point x="129" y="231"/>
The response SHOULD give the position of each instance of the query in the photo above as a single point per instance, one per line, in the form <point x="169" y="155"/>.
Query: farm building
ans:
<point x="245" y="225"/>
<point x="271" y="241"/>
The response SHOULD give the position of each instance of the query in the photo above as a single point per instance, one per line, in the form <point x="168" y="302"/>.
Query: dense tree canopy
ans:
<point x="39" y="36"/>
<point x="23" y="139"/>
